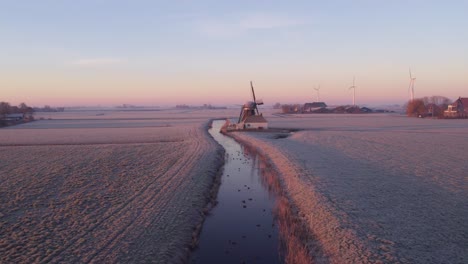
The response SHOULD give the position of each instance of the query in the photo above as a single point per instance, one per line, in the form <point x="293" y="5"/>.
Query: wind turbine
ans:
<point x="318" y="93"/>
<point x="411" y="85"/>
<point x="354" y="91"/>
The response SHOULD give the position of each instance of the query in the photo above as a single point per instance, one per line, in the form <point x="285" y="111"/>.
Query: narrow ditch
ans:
<point x="252" y="221"/>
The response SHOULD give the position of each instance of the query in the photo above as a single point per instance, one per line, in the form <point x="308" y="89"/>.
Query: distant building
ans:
<point x="14" y="117"/>
<point x="312" y="107"/>
<point x="366" y="110"/>
<point x="459" y="109"/>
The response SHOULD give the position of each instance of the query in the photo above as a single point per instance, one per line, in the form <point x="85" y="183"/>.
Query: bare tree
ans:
<point x="416" y="108"/>
<point x="437" y="100"/>
<point x="5" y="108"/>
<point x="291" y="108"/>
<point x="429" y="105"/>
<point x="26" y="111"/>
<point x="23" y="108"/>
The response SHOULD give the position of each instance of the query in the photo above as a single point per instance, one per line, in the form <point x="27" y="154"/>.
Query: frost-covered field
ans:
<point x="376" y="187"/>
<point x="131" y="186"/>
<point x="128" y="187"/>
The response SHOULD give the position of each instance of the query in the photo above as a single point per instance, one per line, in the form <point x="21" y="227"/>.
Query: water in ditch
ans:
<point x="242" y="227"/>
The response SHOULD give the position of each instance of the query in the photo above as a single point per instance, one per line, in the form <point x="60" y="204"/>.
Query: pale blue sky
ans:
<point x="165" y="52"/>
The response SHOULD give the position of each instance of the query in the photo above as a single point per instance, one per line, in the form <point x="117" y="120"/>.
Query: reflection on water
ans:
<point x="242" y="227"/>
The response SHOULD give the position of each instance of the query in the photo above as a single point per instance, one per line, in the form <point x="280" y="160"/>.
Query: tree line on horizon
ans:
<point x="6" y="109"/>
<point x="433" y="106"/>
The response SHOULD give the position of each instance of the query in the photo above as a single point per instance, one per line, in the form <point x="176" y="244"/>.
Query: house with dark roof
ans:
<point x="311" y="107"/>
<point x="459" y="109"/>
<point x="14" y="117"/>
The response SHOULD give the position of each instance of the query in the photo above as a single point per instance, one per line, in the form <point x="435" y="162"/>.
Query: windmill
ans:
<point x="318" y="93"/>
<point x="354" y="91"/>
<point x="250" y="108"/>
<point x="411" y="85"/>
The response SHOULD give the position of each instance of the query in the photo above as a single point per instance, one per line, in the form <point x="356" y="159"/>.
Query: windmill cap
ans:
<point x="249" y="104"/>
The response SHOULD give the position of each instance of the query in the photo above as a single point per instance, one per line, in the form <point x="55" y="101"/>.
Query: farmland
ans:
<point x="134" y="186"/>
<point x="375" y="187"/>
<point x="119" y="189"/>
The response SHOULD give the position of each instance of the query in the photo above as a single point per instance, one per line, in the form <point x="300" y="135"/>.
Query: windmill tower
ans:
<point x="411" y="85"/>
<point x="318" y="93"/>
<point x="250" y="117"/>
<point x="354" y="91"/>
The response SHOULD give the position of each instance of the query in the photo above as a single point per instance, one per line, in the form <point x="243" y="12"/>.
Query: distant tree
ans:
<point x="285" y="109"/>
<point x="14" y="109"/>
<point x="26" y="111"/>
<point x="277" y="106"/>
<point x="291" y="108"/>
<point x="5" y="109"/>
<point x="23" y="108"/>
<point x="442" y="104"/>
<point x="434" y="110"/>
<point x="437" y="100"/>
<point x="353" y="109"/>
<point x="429" y="105"/>
<point x="416" y="108"/>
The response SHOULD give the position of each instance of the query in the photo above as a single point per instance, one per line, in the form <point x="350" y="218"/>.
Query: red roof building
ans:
<point x="461" y="104"/>
<point x="459" y="108"/>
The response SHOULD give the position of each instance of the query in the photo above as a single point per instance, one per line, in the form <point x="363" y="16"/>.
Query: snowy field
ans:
<point x="131" y="186"/>
<point x="375" y="188"/>
<point x="119" y="187"/>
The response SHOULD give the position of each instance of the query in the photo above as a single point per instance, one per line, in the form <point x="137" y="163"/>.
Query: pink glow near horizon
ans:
<point x="219" y="92"/>
<point x="202" y="52"/>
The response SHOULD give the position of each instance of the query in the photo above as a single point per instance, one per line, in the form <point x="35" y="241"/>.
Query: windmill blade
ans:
<point x="253" y="92"/>
<point x="240" y="115"/>
<point x="353" y="86"/>
<point x="254" y="99"/>
<point x="411" y="77"/>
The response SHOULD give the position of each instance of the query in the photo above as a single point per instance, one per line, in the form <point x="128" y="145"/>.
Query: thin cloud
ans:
<point x="268" y="21"/>
<point x="220" y="29"/>
<point x="98" y="61"/>
<point x="241" y="25"/>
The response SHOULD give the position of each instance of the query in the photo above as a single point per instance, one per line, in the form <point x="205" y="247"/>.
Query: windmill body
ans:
<point x="250" y="117"/>
<point x="248" y="109"/>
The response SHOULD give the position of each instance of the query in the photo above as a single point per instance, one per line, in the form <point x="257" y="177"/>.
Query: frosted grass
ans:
<point x="375" y="187"/>
<point x="91" y="194"/>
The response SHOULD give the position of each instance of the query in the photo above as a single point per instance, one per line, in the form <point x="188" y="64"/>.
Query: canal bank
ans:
<point x="252" y="221"/>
